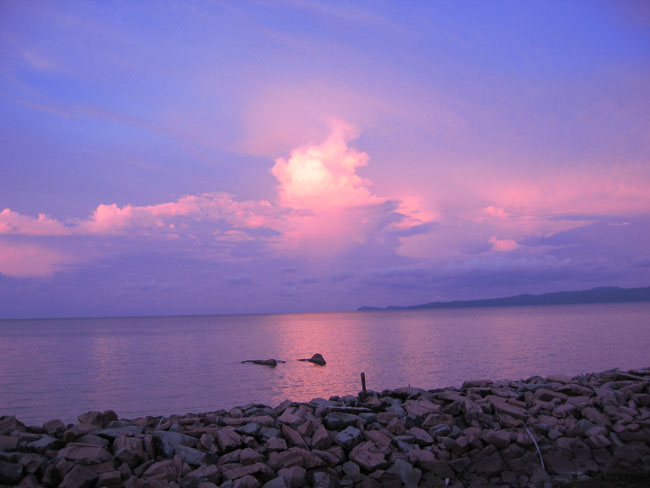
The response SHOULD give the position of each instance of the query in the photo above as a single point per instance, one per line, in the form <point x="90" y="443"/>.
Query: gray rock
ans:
<point x="191" y="456"/>
<point x="79" y="477"/>
<point x="43" y="444"/>
<point x="278" y="482"/>
<point x="408" y="475"/>
<point x="340" y="420"/>
<point x="263" y="362"/>
<point x="296" y="476"/>
<point x="248" y="429"/>
<point x="167" y="441"/>
<point x="348" y="438"/>
<point x="316" y="359"/>
<point x="10" y="473"/>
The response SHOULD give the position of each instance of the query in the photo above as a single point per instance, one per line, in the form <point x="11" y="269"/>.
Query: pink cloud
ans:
<point x="502" y="245"/>
<point x="30" y="260"/>
<point x="323" y="208"/>
<point x="322" y="176"/>
<point x="15" y="223"/>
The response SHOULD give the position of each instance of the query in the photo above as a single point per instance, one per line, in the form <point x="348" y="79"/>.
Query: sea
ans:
<point x="60" y="368"/>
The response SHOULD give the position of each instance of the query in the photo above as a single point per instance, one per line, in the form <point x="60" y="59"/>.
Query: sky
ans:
<point x="198" y="157"/>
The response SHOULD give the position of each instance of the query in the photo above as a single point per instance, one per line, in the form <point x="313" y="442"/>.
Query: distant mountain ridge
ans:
<point x="604" y="294"/>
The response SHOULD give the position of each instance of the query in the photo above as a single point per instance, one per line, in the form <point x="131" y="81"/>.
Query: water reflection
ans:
<point x="59" y="368"/>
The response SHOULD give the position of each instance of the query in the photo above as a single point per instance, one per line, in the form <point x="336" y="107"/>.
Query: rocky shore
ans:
<point x="534" y="432"/>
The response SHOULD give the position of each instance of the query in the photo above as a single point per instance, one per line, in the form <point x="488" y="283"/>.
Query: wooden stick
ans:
<point x="364" y="393"/>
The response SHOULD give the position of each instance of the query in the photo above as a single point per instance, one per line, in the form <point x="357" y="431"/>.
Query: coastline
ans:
<point x="534" y="432"/>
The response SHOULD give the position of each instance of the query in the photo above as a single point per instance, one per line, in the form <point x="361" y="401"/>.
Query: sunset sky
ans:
<point x="188" y="157"/>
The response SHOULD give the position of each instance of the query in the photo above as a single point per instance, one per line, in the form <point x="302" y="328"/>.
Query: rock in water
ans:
<point x="263" y="362"/>
<point x="316" y="359"/>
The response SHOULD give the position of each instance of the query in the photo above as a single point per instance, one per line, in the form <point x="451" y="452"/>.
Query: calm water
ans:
<point x="164" y="365"/>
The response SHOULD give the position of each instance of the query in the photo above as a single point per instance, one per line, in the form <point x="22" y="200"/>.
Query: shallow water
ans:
<point x="164" y="365"/>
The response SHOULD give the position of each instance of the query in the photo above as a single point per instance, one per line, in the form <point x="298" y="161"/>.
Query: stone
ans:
<point x="109" y="479"/>
<point x="248" y="429"/>
<point x="278" y="482"/>
<point x="490" y="465"/>
<point x="209" y="472"/>
<point x="45" y="443"/>
<point x="558" y="462"/>
<point x="161" y="470"/>
<point x="236" y="471"/>
<point x="422" y="437"/>
<point x="499" y="439"/>
<point x="79" y="477"/>
<point x="276" y="444"/>
<point x="316" y="359"/>
<point x="191" y="456"/>
<point x="321" y="438"/>
<point x="293" y="437"/>
<point x="368" y="455"/>
<point x="167" y="441"/>
<point x="323" y="480"/>
<point x="290" y="417"/>
<point x="501" y="405"/>
<point x="99" y="419"/>
<point x="247" y="481"/>
<point x="113" y="432"/>
<point x="380" y="437"/>
<point x="30" y="481"/>
<point x="85" y="453"/>
<point x="228" y="439"/>
<point x="33" y="463"/>
<point x="129" y="457"/>
<point x="422" y="458"/>
<point x="8" y="443"/>
<point x="285" y="459"/>
<point x="10" y="473"/>
<point x="296" y="476"/>
<point x="408" y="475"/>
<point x="348" y="438"/>
<point x="93" y="439"/>
<point x="595" y="416"/>
<point x="9" y="424"/>
<point x="54" y="426"/>
<point x="340" y="420"/>
<point x="249" y="456"/>
<point x="135" y="444"/>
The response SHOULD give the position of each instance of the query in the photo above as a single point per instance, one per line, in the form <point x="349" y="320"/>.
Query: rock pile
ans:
<point x="483" y="434"/>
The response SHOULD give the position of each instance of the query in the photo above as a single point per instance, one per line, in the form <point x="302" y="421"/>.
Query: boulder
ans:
<point x="348" y="438"/>
<point x="85" y="453"/>
<point x="228" y="438"/>
<point x="99" y="419"/>
<point x="79" y="477"/>
<point x="340" y="420"/>
<point x="316" y="359"/>
<point x="368" y="455"/>
<point x="296" y="476"/>
<point x="10" y="473"/>
<point x="53" y="426"/>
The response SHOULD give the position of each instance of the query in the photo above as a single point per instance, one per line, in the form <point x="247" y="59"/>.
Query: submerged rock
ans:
<point x="264" y="362"/>
<point x="316" y="359"/>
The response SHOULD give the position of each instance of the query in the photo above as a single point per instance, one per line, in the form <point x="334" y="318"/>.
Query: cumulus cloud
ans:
<point x="324" y="175"/>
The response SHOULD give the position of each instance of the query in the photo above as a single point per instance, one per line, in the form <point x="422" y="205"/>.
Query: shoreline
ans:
<point x="534" y="432"/>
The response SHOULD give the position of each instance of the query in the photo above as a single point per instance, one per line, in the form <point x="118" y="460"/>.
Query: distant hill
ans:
<point x="605" y="294"/>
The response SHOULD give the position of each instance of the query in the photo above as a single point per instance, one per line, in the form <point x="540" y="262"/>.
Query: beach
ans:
<point x="541" y="431"/>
